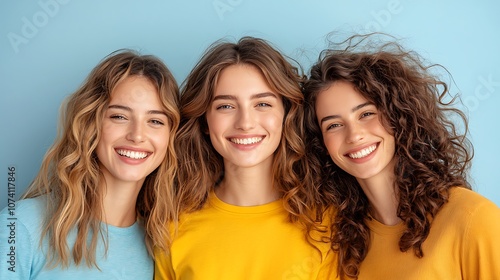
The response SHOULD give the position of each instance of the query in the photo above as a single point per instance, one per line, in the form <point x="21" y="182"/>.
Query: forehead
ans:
<point x="241" y="79"/>
<point x="135" y="90"/>
<point x="339" y="95"/>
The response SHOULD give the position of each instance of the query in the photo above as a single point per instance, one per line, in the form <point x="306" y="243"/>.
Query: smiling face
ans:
<point x="353" y="133"/>
<point x="245" y="117"/>
<point x="135" y="132"/>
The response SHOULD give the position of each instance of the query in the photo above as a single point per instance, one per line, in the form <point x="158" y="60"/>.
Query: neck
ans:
<point x="247" y="186"/>
<point x="119" y="204"/>
<point x="383" y="200"/>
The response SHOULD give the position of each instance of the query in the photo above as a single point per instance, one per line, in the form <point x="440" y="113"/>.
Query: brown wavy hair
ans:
<point x="201" y="167"/>
<point x="432" y="155"/>
<point x="70" y="175"/>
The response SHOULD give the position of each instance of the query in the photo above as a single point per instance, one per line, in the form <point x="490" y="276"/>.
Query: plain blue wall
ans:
<point x="48" y="47"/>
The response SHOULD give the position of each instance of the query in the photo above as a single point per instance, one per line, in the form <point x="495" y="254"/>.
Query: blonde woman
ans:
<point x="103" y="196"/>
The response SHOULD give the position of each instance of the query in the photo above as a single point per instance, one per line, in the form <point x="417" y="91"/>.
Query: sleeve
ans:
<point x="163" y="265"/>
<point x="16" y="247"/>
<point x="481" y="248"/>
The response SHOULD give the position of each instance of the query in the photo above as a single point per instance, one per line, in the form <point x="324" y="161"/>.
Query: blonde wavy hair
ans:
<point x="70" y="176"/>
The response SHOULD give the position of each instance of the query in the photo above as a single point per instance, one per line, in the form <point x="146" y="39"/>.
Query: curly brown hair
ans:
<point x="201" y="167"/>
<point x="431" y="154"/>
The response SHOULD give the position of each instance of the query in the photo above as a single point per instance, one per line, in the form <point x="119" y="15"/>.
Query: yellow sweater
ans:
<point x="463" y="243"/>
<point x="223" y="241"/>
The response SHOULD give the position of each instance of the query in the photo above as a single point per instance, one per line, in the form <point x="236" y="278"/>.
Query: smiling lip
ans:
<point x="363" y="152"/>
<point x="132" y="154"/>
<point x="246" y="140"/>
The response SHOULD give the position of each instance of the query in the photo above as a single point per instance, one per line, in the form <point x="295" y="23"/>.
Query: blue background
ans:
<point x="48" y="47"/>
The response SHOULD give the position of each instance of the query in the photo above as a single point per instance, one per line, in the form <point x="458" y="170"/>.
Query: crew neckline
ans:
<point x="382" y="229"/>
<point x="257" y="209"/>
<point x="122" y="230"/>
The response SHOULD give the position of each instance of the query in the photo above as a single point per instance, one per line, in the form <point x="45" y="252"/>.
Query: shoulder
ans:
<point x="28" y="212"/>
<point x="477" y="218"/>
<point x="24" y="220"/>
<point x="26" y="206"/>
<point x="469" y="202"/>
<point x="28" y="215"/>
<point x="475" y="212"/>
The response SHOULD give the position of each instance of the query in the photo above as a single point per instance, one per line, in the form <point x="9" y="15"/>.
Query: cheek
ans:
<point x="101" y="150"/>
<point x="164" y="142"/>
<point x="110" y="134"/>
<point x="106" y="135"/>
<point x="276" y="125"/>
<point x="110" y="131"/>
<point x="275" y="122"/>
<point x="160" y="138"/>
<point x="331" y="144"/>
<point x="214" y="127"/>
<point x="392" y="145"/>
<point x="213" y="123"/>
<point x="388" y="135"/>
<point x="214" y="130"/>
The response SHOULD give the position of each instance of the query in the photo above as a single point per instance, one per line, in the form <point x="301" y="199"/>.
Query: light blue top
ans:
<point x="21" y="257"/>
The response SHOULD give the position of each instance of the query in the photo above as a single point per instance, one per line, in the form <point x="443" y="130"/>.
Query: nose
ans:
<point x="245" y="119"/>
<point x="136" y="133"/>
<point x="355" y="133"/>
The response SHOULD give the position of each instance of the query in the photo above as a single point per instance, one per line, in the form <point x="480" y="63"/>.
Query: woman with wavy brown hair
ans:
<point x="104" y="195"/>
<point x="391" y="160"/>
<point x="244" y="191"/>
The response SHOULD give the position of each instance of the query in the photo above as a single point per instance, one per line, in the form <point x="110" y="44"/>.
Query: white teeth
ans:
<point x="364" y="152"/>
<point x="132" y="154"/>
<point x="246" y="141"/>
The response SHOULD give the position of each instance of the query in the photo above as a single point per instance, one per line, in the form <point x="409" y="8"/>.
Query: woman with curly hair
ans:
<point x="104" y="195"/>
<point x="243" y="189"/>
<point x="393" y="163"/>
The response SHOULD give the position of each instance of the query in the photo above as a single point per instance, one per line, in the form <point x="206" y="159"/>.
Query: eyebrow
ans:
<point x="126" y="108"/>
<point x="327" y="118"/>
<point x="254" y="96"/>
